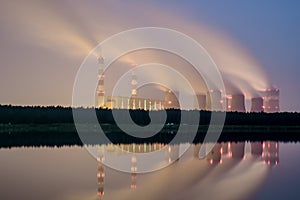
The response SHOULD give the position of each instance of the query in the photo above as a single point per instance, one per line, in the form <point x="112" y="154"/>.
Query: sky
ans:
<point x="44" y="43"/>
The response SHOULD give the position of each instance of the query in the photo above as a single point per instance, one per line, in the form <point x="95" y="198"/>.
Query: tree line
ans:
<point x="57" y="114"/>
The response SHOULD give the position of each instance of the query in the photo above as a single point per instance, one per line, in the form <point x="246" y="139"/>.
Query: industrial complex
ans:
<point x="216" y="100"/>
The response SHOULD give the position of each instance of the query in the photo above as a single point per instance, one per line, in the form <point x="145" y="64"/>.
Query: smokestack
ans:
<point x="271" y="100"/>
<point x="133" y="83"/>
<point x="133" y="100"/>
<point x="100" y="89"/>
<point x="238" y="103"/>
<point x="257" y="104"/>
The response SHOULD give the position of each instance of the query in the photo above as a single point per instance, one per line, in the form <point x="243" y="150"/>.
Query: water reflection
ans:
<point x="270" y="153"/>
<point x="228" y="165"/>
<point x="231" y="171"/>
<point x="101" y="171"/>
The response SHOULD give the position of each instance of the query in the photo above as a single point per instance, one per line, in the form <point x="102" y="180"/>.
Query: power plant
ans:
<point x="214" y="99"/>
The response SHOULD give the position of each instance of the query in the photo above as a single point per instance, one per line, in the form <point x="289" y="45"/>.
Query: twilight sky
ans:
<point x="43" y="43"/>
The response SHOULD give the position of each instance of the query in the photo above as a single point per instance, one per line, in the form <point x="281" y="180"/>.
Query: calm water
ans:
<point x="267" y="170"/>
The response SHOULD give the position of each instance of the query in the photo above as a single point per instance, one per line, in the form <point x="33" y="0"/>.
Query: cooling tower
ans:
<point x="238" y="103"/>
<point x="214" y="98"/>
<point x="271" y="100"/>
<point x="200" y="102"/>
<point x="171" y="100"/>
<point x="257" y="104"/>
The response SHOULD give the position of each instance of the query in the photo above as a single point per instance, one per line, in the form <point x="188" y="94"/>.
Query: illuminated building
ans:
<point x="117" y="102"/>
<point x="171" y="100"/>
<point x="271" y="153"/>
<point x="100" y="88"/>
<point x="214" y="98"/>
<point x="236" y="102"/>
<point x="257" y="104"/>
<point x="271" y="100"/>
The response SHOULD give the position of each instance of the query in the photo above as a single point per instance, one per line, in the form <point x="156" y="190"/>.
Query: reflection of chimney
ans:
<point x="238" y="103"/>
<point x="257" y="104"/>
<point x="100" y="89"/>
<point x="101" y="173"/>
<point x="271" y="153"/>
<point x="133" y="172"/>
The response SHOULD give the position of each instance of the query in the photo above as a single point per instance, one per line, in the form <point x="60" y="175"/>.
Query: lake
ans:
<point x="243" y="170"/>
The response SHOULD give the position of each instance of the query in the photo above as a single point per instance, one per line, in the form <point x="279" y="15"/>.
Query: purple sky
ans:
<point x="43" y="43"/>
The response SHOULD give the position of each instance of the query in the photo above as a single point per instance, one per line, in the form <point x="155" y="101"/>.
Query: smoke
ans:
<point x="74" y="28"/>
